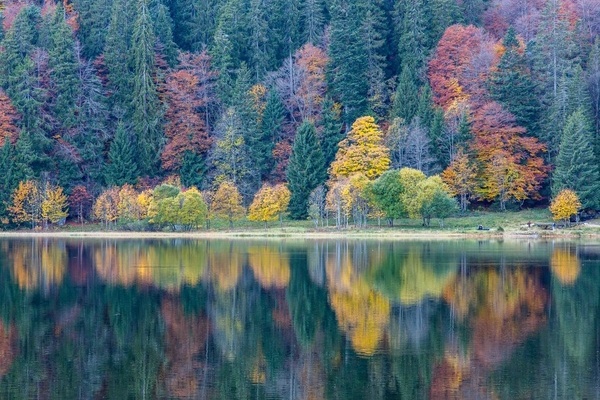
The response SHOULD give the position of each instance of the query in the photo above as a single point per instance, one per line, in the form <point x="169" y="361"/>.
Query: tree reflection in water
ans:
<point x="297" y="319"/>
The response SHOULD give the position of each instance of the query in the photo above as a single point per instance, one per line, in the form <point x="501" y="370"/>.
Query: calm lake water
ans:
<point x="200" y="319"/>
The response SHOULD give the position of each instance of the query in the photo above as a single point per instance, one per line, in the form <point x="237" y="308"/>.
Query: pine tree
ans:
<point x="63" y="70"/>
<point x="7" y="179"/>
<point x="512" y="86"/>
<point x="94" y="17"/>
<point x="306" y="169"/>
<point x="26" y="161"/>
<point x="146" y="106"/>
<point x="313" y="20"/>
<point x="413" y="19"/>
<point x="576" y="163"/>
<point x="121" y="167"/>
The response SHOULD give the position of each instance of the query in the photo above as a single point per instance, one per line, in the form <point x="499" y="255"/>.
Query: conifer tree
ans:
<point x="116" y="49"/>
<point x="26" y="160"/>
<point x="576" y="163"/>
<point x="7" y="179"/>
<point x="163" y="29"/>
<point x="511" y="84"/>
<point x="63" y="70"/>
<point x="306" y="169"/>
<point x="261" y="144"/>
<point x="330" y="131"/>
<point x="146" y="106"/>
<point x="121" y="167"/>
<point x="94" y="17"/>
<point x="193" y="169"/>
<point x="406" y="99"/>
<point x="347" y="72"/>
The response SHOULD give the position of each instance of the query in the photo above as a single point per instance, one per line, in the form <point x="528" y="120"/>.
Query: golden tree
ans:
<point x="461" y="178"/>
<point x="410" y="179"/>
<point x="269" y="203"/>
<point x="26" y="203"/>
<point x="129" y="208"/>
<point x="54" y="206"/>
<point x="362" y="151"/>
<point x="106" y="206"/>
<point x="227" y="203"/>
<point x="565" y="204"/>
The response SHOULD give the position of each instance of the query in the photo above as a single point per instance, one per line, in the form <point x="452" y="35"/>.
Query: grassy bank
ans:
<point x="497" y="224"/>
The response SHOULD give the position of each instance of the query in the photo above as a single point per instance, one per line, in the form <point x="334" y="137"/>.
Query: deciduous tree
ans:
<point x="564" y="205"/>
<point x="80" y="202"/>
<point x="54" y="206"/>
<point x="461" y="178"/>
<point x="27" y="203"/>
<point x="227" y="203"/>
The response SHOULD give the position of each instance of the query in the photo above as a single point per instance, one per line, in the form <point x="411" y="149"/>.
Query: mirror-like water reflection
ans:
<point x="200" y="319"/>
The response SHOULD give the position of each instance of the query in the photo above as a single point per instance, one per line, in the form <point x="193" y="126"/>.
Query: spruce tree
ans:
<point x="347" y="72"/>
<point x="121" y="167"/>
<point x="94" y="17"/>
<point x="146" y="105"/>
<point x="7" y="179"/>
<point x="63" y="70"/>
<point x="512" y="86"/>
<point x="406" y="99"/>
<point x="163" y="29"/>
<point x="330" y="131"/>
<point x="306" y="169"/>
<point x="262" y="143"/>
<point x="576" y="163"/>
<point x="27" y="162"/>
<point x="193" y="170"/>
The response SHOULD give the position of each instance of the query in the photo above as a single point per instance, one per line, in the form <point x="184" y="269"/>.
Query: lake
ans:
<point x="298" y="319"/>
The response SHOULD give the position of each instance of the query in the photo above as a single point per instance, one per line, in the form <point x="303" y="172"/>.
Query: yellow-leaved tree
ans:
<point x="227" y="203"/>
<point x="106" y="207"/>
<point x="269" y="203"/>
<point x="362" y="151"/>
<point x="461" y="178"/>
<point x="410" y="179"/>
<point x="564" y="205"/>
<point x="26" y="203"/>
<point x="54" y="206"/>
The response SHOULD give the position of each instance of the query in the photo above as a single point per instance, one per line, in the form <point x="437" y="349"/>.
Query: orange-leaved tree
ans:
<point x="80" y="202"/>
<point x="106" y="207"/>
<point x="8" y="120"/>
<point x="511" y="167"/>
<point x="564" y="205"/>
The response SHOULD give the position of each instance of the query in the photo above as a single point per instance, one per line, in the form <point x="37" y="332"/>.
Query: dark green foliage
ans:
<point x="163" y="29"/>
<point x="306" y="169"/>
<point x="268" y="132"/>
<point x="406" y="100"/>
<point x="576" y="163"/>
<point x="63" y="71"/>
<point x="193" y="169"/>
<point x="146" y="107"/>
<point x="122" y="166"/>
<point x="330" y="131"/>
<point x="8" y="182"/>
<point x="27" y="163"/>
<point x="440" y="206"/>
<point x="94" y="17"/>
<point x="512" y="86"/>
<point x="385" y="192"/>
<point x="347" y="71"/>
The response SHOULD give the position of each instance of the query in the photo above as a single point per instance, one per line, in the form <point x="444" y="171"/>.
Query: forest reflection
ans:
<point x="191" y="319"/>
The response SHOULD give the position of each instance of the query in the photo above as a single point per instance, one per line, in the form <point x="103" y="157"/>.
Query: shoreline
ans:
<point x="282" y="233"/>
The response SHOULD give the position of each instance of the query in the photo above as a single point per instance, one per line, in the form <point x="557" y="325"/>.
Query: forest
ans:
<point x="116" y="110"/>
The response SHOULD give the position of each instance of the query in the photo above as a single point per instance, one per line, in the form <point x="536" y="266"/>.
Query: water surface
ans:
<point x="201" y="319"/>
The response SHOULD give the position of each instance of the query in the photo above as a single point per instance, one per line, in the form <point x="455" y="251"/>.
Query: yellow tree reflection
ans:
<point x="38" y="264"/>
<point x="271" y="266"/>
<point x="565" y="265"/>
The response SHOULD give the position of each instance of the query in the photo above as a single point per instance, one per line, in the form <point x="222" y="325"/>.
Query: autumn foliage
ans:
<point x="565" y="205"/>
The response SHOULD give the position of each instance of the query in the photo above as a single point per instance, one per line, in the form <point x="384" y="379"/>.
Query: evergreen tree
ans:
<point x="7" y="179"/>
<point x="576" y="163"/>
<point x="94" y="17"/>
<point x="121" y="167"/>
<point x="195" y="22"/>
<point x="146" y="106"/>
<point x="313" y="21"/>
<point x="512" y="86"/>
<point x="306" y="169"/>
<point x="262" y="143"/>
<point x="406" y="99"/>
<point x="193" y="170"/>
<point x="330" y="131"/>
<point x="413" y="19"/>
<point x="27" y="163"/>
<point x="116" y="49"/>
<point x="347" y="72"/>
<point x="63" y="70"/>
<point x="163" y="29"/>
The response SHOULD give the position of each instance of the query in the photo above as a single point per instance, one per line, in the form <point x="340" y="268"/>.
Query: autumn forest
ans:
<point x="174" y="113"/>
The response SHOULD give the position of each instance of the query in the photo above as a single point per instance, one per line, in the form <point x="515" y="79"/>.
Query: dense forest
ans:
<point x="496" y="101"/>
